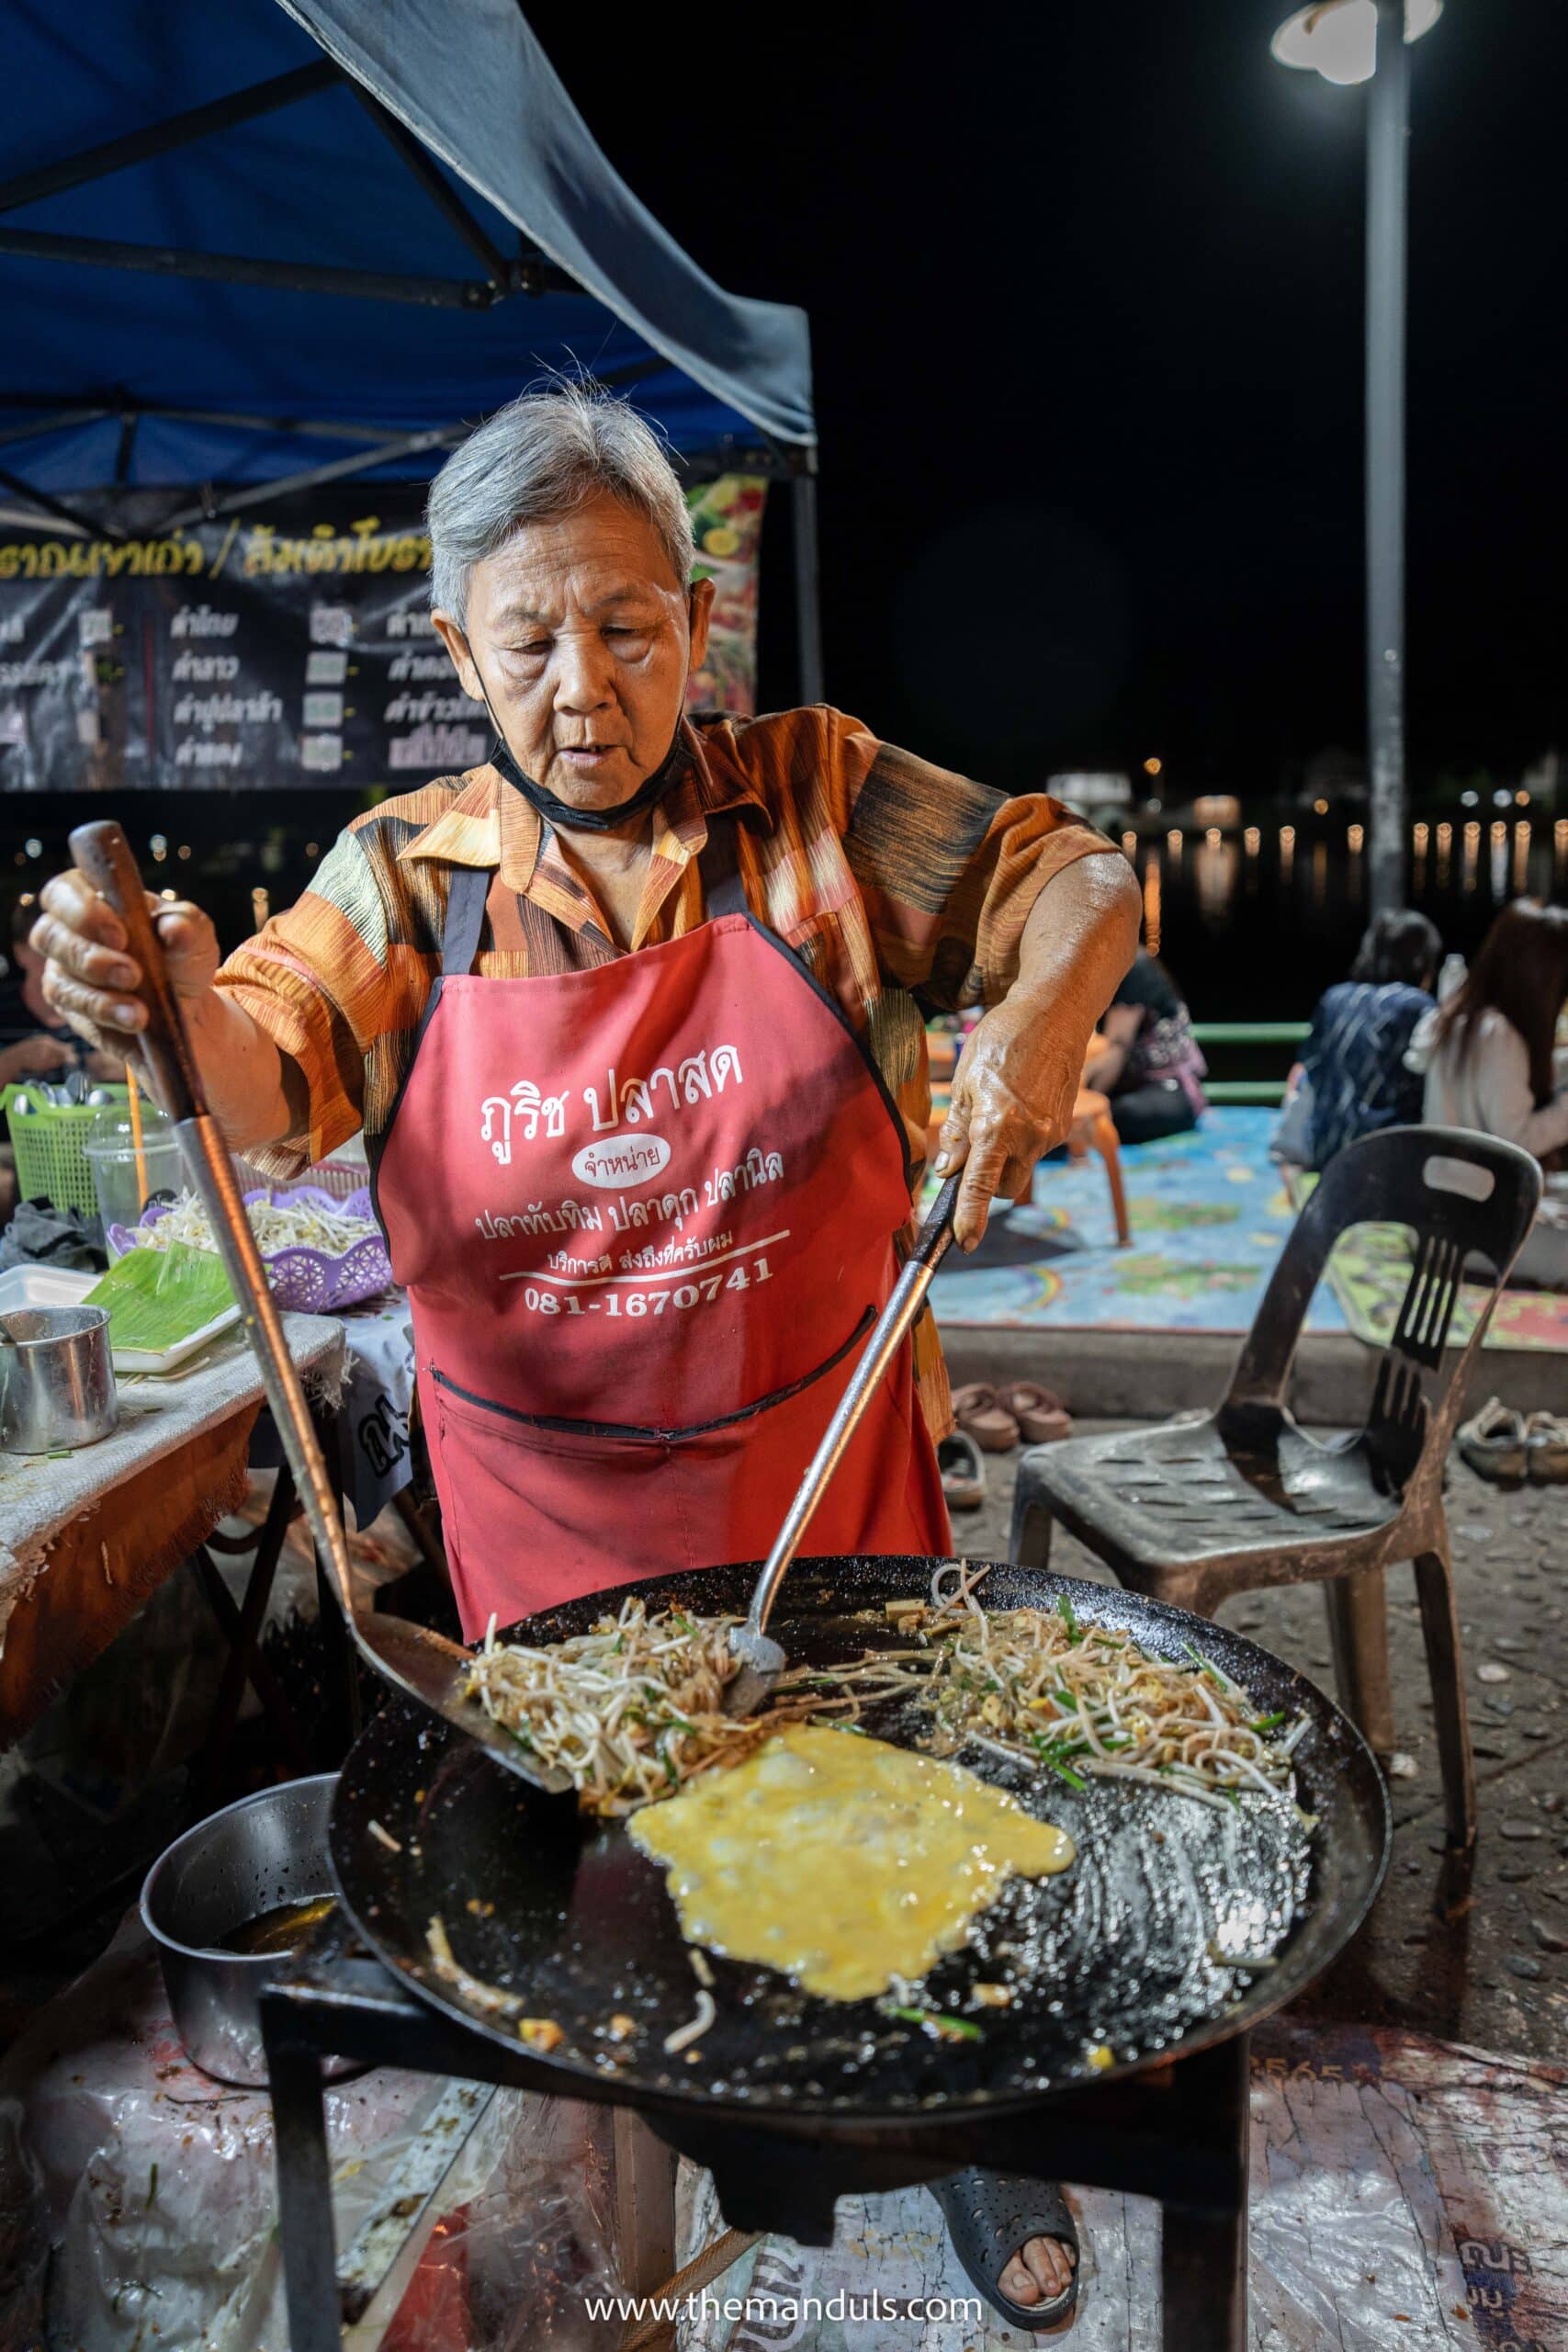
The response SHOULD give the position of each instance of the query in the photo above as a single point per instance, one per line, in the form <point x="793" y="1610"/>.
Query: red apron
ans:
<point x="646" y="1214"/>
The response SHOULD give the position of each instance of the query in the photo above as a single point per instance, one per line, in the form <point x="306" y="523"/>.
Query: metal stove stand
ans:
<point x="1179" y="2134"/>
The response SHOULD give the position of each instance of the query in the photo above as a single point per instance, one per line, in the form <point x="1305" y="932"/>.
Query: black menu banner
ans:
<point x="277" y="648"/>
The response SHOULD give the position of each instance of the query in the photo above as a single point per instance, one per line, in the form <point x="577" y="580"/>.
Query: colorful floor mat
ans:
<point x="1209" y="1214"/>
<point x="1370" y="1273"/>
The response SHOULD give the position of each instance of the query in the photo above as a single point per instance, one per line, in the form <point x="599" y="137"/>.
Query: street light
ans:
<point x="1338" y="39"/>
<point x="1348" y="41"/>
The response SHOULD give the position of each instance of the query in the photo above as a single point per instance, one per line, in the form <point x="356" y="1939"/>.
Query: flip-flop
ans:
<point x="1493" y="1444"/>
<point x="981" y="1414"/>
<point x="963" y="1471"/>
<point x="1546" y="1449"/>
<point x="1042" y="1416"/>
<point x="990" y="2217"/>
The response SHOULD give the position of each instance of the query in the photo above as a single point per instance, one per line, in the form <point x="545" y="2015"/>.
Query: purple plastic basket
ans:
<point x="306" y="1282"/>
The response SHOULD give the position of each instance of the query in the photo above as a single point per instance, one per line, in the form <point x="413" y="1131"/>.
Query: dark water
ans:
<point x="1255" y="926"/>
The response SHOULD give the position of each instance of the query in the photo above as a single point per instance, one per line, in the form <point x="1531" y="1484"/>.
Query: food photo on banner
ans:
<point x="292" y="647"/>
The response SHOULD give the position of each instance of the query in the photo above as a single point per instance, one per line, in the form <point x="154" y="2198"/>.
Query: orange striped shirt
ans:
<point x="905" y="889"/>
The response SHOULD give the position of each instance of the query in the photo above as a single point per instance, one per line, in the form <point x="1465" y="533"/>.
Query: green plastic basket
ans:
<point x="48" y="1140"/>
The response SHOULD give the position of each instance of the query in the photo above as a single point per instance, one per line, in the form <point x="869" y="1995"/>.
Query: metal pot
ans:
<point x="57" y="1385"/>
<point x="251" y="1858"/>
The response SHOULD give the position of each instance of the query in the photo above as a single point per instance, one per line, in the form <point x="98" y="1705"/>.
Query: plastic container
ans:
<point x="122" y="1187"/>
<point x="49" y="1143"/>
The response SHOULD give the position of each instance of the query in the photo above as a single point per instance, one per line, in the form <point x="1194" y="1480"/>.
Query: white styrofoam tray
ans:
<point x="59" y="1286"/>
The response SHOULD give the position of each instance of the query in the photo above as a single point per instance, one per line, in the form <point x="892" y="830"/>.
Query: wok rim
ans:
<point x="780" y="2107"/>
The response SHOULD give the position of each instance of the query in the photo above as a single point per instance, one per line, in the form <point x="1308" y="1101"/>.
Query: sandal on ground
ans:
<point x="1546" y="1449"/>
<point x="1493" y="1444"/>
<point x="990" y="2217"/>
<point x="1041" y="1414"/>
<point x="963" y="1471"/>
<point x="981" y="1414"/>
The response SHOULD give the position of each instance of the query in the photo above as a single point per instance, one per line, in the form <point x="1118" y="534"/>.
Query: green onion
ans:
<point x="1269" y="1723"/>
<point x="1065" y="1612"/>
<point x="1052" y="1752"/>
<point x="937" y="2021"/>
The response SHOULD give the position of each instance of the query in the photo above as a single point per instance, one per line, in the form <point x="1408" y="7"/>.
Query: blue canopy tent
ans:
<point x="244" y="251"/>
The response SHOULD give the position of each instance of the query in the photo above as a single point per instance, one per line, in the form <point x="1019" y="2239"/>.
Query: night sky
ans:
<point x="1085" y="284"/>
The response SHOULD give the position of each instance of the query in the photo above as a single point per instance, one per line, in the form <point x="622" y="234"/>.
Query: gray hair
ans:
<point x="539" y="457"/>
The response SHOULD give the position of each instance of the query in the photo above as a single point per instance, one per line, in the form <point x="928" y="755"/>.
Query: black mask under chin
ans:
<point x="563" y="815"/>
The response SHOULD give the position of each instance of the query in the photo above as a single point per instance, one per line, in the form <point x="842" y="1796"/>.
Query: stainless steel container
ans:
<point x="251" y="1858"/>
<point x="57" y="1385"/>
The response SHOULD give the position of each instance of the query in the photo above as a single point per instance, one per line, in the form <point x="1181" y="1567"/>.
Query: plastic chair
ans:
<point x="1094" y="1129"/>
<point x="1195" y="1510"/>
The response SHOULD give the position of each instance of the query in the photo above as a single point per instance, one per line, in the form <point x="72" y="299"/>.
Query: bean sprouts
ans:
<point x="634" y="1709"/>
<point x="694" y="2027"/>
<point x="1037" y="1687"/>
<point x="280" y="1225"/>
<point x="631" y="1710"/>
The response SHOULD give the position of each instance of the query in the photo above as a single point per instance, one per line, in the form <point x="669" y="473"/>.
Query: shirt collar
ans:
<point x="491" y="824"/>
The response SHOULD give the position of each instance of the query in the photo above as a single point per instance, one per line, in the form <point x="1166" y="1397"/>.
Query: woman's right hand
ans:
<point x="91" y="980"/>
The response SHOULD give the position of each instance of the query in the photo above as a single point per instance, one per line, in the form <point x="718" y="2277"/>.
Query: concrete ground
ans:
<point x="1492" y="1971"/>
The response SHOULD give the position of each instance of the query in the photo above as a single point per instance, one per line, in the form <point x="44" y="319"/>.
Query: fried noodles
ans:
<point x="631" y="1710"/>
<point x="1037" y="1687"/>
<point x="635" y="1708"/>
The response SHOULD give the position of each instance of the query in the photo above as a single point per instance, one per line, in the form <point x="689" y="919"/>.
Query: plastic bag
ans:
<point x="139" y="2195"/>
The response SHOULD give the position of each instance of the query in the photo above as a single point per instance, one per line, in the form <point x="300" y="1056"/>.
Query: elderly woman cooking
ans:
<point x="631" y="1019"/>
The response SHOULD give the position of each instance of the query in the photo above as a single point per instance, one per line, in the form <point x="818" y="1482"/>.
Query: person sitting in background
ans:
<point x="1353" y="1071"/>
<point x="1148" y="1060"/>
<point x="34" y="1041"/>
<point x="1486" y="1054"/>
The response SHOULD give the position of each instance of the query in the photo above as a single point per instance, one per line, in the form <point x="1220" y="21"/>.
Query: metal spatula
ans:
<point x="422" y="1665"/>
<point x="762" y="1659"/>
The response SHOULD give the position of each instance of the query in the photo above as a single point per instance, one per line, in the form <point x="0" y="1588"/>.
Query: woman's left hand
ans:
<point x="1013" y="1093"/>
<point x="1017" y="1078"/>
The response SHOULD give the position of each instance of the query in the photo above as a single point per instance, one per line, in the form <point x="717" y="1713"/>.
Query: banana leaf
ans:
<point x="157" y="1297"/>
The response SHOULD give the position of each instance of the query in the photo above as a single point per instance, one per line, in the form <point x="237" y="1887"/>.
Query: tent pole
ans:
<point x="162" y="138"/>
<point x="418" y="159"/>
<point x="235" y="502"/>
<point x="240" y="269"/>
<point x="55" y="506"/>
<point x="807" y="588"/>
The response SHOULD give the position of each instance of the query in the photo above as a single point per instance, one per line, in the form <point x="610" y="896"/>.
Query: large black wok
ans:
<point x="1114" y="1954"/>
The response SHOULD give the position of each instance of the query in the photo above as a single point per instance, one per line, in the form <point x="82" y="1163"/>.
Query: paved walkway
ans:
<point x="1497" y="1976"/>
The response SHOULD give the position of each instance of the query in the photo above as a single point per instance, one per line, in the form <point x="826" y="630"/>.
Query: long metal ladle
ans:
<point x="762" y="1659"/>
<point x="423" y="1666"/>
